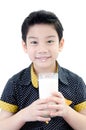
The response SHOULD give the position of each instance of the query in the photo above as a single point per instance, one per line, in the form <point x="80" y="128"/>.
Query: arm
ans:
<point x="34" y="112"/>
<point x="75" y="119"/>
<point x="8" y="121"/>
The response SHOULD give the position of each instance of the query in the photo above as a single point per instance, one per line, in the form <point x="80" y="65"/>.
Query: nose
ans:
<point x="42" y="48"/>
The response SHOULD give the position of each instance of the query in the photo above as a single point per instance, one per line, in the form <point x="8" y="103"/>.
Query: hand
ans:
<point x="37" y="111"/>
<point x="57" y="105"/>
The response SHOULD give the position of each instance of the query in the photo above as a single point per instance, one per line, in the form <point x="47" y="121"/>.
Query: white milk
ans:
<point x="48" y="83"/>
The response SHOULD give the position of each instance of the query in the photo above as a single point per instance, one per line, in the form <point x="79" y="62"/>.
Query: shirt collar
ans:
<point x="61" y="76"/>
<point x="34" y="77"/>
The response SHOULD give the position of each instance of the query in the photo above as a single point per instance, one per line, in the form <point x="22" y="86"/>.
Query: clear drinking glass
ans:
<point x="48" y="83"/>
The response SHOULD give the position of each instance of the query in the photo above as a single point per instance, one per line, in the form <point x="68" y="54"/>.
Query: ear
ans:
<point x="61" y="44"/>
<point x="24" y="46"/>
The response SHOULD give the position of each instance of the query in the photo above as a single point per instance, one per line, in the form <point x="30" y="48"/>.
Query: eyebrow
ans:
<point x="32" y="37"/>
<point x="50" y="36"/>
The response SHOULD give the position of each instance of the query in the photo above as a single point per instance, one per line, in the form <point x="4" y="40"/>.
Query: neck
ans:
<point x="51" y="69"/>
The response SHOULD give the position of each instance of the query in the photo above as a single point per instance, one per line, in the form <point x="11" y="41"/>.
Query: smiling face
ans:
<point x="43" y="46"/>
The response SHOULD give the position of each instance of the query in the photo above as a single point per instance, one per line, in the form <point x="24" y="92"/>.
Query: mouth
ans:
<point x="43" y="58"/>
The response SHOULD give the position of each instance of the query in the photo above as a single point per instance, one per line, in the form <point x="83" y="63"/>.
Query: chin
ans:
<point x="44" y="65"/>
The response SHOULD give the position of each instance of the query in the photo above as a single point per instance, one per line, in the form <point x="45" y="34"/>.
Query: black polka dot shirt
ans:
<point x="20" y="92"/>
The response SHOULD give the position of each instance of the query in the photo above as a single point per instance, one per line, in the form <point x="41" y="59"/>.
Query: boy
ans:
<point x="42" y="40"/>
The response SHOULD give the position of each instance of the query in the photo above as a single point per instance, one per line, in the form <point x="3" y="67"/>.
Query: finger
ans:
<point x="56" y="100"/>
<point x="56" y="107"/>
<point x="44" y="113"/>
<point x="40" y="101"/>
<point x="57" y="94"/>
<point x="46" y="120"/>
<point x="43" y="107"/>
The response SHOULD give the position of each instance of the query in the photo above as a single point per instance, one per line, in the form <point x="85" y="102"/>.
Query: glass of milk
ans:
<point x="48" y="83"/>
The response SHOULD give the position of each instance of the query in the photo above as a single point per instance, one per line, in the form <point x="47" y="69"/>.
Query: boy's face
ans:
<point x="43" y="46"/>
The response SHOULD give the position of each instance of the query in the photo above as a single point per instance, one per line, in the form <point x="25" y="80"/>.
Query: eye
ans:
<point x="50" y="41"/>
<point x="33" y="42"/>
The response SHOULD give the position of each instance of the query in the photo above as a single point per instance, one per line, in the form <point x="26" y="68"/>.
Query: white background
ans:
<point x="72" y="14"/>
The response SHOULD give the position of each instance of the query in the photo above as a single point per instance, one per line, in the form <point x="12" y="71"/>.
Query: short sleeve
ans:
<point x="8" y="98"/>
<point x="80" y="95"/>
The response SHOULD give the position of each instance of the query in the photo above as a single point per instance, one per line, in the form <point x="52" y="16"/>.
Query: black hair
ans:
<point x="41" y="17"/>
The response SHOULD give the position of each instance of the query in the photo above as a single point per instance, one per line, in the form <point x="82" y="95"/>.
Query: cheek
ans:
<point x="31" y="54"/>
<point x="55" y="50"/>
<point x="55" y="53"/>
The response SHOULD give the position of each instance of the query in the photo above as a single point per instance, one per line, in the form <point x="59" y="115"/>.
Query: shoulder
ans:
<point x="69" y="73"/>
<point x="21" y="77"/>
<point x="69" y="76"/>
<point x="18" y="79"/>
